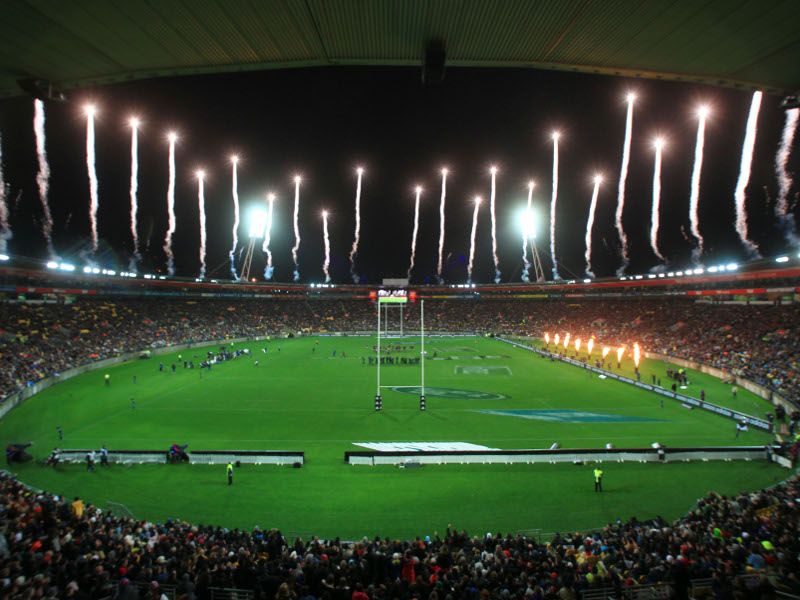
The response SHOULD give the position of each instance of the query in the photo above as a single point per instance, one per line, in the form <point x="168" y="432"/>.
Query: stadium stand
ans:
<point x="739" y="547"/>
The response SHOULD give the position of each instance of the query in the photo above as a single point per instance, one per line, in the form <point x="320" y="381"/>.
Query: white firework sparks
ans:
<point x="655" y="216"/>
<point x="441" y="225"/>
<point x="269" y="269"/>
<point x="785" y="217"/>
<point x="134" y="191"/>
<point x="598" y="179"/>
<point x="418" y="192"/>
<point x="526" y="234"/>
<point x="172" y="137"/>
<point x="694" y="198"/>
<point x="94" y="200"/>
<point x="472" y="238"/>
<point x="327" y="240"/>
<point x="357" y="235"/>
<point x="296" y="221"/>
<point x="496" y="259"/>
<point x="623" y="177"/>
<point x="43" y="176"/>
<point x="5" y="227"/>
<point x="201" y="205"/>
<point x="740" y="195"/>
<point x="553" y="202"/>
<point x="235" y="231"/>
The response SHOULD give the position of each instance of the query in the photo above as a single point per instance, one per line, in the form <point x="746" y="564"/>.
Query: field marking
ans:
<point x="480" y="370"/>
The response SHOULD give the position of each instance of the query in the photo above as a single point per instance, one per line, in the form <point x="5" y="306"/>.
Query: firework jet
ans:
<point x="637" y="354"/>
<point x="296" y="248"/>
<point x="201" y="205"/>
<point x="744" y="176"/>
<point x="418" y="191"/>
<point x="557" y="339"/>
<point x="327" y="262"/>
<point x="566" y="341"/>
<point x="694" y="199"/>
<point x="623" y="177"/>
<point x="441" y="226"/>
<point x="5" y="229"/>
<point x="94" y="202"/>
<point x="493" y="171"/>
<point x="589" y="346"/>
<point x="553" y="200"/>
<point x="605" y="352"/>
<point x="172" y="137"/>
<point x="357" y="236"/>
<point x="235" y="232"/>
<point x="655" y="216"/>
<point x="785" y="217"/>
<point x="472" y="238"/>
<point x="598" y="179"/>
<point x="43" y="177"/>
<point x="134" y="190"/>
<point x="526" y="233"/>
<point x="268" y="270"/>
<point x="620" y="354"/>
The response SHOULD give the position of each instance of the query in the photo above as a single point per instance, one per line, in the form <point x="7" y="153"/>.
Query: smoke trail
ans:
<point x="418" y="191"/>
<point x="134" y="262"/>
<point x="526" y="233"/>
<point x="623" y="177"/>
<point x="268" y="270"/>
<point x="5" y="228"/>
<point x="327" y="262"/>
<point x="201" y="205"/>
<point x="744" y="176"/>
<point x="590" y="223"/>
<point x="170" y="206"/>
<point x="235" y="232"/>
<point x="90" y="168"/>
<point x="494" y="228"/>
<point x="694" y="199"/>
<point x="296" y="247"/>
<point x="357" y="236"/>
<point x="472" y="238"/>
<point x="785" y="217"/>
<point x="553" y="200"/>
<point x="43" y="177"/>
<point x="441" y="226"/>
<point x="655" y="216"/>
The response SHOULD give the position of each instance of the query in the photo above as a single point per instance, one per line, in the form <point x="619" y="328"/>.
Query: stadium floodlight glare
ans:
<point x="782" y="259"/>
<point x="678" y="273"/>
<point x="712" y="269"/>
<point x="52" y="264"/>
<point x="527" y="223"/>
<point x="4" y="257"/>
<point x="66" y="267"/>
<point x="95" y="271"/>
<point x="587" y="281"/>
<point x="638" y="277"/>
<point x="87" y="270"/>
<point x="258" y="223"/>
<point x="651" y="276"/>
<point x="732" y="267"/>
<point x="661" y="275"/>
<point x="698" y="271"/>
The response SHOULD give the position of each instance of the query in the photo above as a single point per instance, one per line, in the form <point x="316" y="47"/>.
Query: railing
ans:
<point x="230" y="594"/>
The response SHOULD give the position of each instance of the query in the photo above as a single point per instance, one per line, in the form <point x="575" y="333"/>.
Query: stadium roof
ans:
<point x="73" y="43"/>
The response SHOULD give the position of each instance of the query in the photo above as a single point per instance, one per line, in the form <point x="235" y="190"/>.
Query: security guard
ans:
<point x="598" y="479"/>
<point x="229" y="470"/>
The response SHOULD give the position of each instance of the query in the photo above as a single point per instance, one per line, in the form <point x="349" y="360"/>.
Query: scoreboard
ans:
<point x="393" y="296"/>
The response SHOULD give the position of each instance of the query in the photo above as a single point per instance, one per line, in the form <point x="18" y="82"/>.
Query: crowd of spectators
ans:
<point x="53" y="547"/>
<point x="758" y="342"/>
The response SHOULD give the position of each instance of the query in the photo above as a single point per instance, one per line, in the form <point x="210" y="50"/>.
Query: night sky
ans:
<point x="322" y="123"/>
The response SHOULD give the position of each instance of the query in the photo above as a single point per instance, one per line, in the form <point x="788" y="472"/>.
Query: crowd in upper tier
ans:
<point x="759" y="342"/>
<point x="53" y="547"/>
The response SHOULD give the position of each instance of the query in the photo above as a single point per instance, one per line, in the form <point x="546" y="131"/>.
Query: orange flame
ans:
<point x="620" y="353"/>
<point x="636" y="354"/>
<point x="566" y="341"/>
<point x="557" y="339"/>
<point x="577" y="344"/>
<point x="589" y="346"/>
<point x="606" y="350"/>
<point x="547" y="338"/>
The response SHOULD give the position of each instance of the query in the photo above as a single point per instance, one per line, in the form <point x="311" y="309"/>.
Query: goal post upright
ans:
<point x="378" y="399"/>
<point x="422" y="405"/>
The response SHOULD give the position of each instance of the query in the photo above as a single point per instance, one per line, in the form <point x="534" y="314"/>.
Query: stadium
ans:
<point x="223" y="379"/>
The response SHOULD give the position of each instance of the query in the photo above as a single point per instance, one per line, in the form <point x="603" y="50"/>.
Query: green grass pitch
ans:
<point x="301" y="397"/>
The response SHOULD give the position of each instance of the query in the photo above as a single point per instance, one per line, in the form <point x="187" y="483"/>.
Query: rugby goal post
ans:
<point x="398" y="298"/>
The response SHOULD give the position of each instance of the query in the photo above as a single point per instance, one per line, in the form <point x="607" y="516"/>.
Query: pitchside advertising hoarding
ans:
<point x="393" y="296"/>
